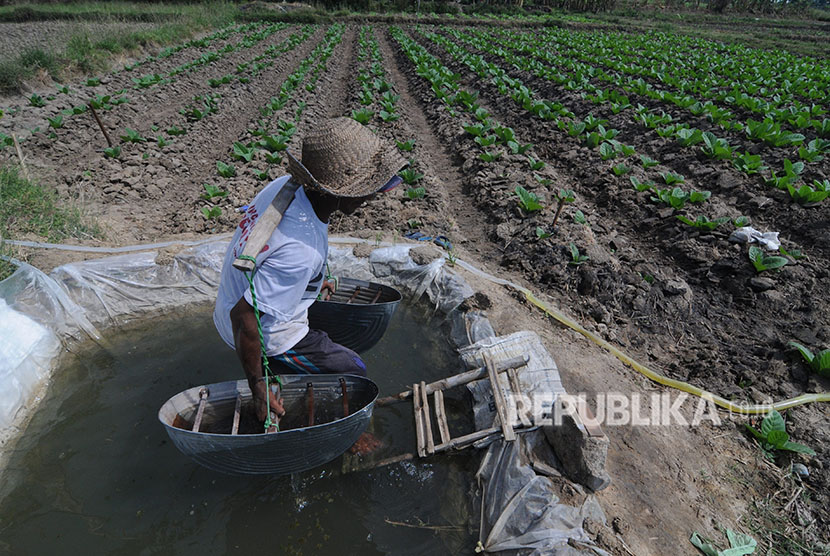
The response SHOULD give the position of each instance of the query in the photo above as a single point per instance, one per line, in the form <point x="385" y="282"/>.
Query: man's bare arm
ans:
<point x="249" y="351"/>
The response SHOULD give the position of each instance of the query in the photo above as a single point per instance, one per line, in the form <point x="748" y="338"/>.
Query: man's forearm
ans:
<point x="246" y="340"/>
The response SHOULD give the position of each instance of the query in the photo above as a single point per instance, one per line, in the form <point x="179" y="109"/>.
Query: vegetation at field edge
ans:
<point x="28" y="208"/>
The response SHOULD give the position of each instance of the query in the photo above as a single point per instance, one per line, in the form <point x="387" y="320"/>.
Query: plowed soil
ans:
<point x="686" y="303"/>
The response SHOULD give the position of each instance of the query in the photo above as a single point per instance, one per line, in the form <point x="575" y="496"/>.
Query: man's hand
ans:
<point x="327" y="290"/>
<point x="258" y="392"/>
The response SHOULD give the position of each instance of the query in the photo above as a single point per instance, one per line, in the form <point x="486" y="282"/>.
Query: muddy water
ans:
<point x="95" y="472"/>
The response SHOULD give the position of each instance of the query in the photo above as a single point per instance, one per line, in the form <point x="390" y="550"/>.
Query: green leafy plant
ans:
<point x="273" y="158"/>
<point x="93" y="82"/>
<point x="161" y="142"/>
<point x="739" y="545"/>
<point x="795" y="254"/>
<point x="773" y="436"/>
<point x="670" y="178"/>
<point x="647" y="161"/>
<point x="527" y="200"/>
<point x="113" y="152"/>
<point x="212" y="191"/>
<point x="576" y="257"/>
<point x="819" y="362"/>
<point x="702" y="222"/>
<point x="489" y="156"/>
<point x="809" y="196"/>
<point x="388" y="116"/>
<point x="620" y="169"/>
<point x="36" y="100"/>
<point x="406" y="146"/>
<point x="174" y="131"/>
<point x="579" y="217"/>
<point x="415" y="193"/>
<point x="363" y="116"/>
<point x="749" y="163"/>
<point x="132" y="136"/>
<point x="410" y="176"/>
<point x="535" y="164"/>
<point x="607" y="151"/>
<point x="274" y="143"/>
<point x="640" y="186"/>
<point x="211" y="213"/>
<point x="225" y="170"/>
<point x="761" y="261"/>
<point x="242" y="152"/>
<point x="742" y="221"/>
<point x="541" y="233"/>
<point x="677" y="198"/>
<point x="56" y="122"/>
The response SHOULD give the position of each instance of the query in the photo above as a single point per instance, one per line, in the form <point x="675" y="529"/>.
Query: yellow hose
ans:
<point x="755" y="409"/>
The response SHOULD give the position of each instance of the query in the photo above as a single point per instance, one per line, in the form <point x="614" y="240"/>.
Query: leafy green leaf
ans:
<point x="772" y="422"/>
<point x="527" y="200"/>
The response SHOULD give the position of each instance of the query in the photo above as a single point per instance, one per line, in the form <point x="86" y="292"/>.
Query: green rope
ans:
<point x="265" y="367"/>
<point x="329" y="278"/>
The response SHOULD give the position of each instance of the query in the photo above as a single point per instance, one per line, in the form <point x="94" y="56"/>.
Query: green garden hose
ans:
<point x="755" y="409"/>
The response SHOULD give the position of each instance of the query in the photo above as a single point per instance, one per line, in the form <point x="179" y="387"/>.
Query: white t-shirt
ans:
<point x="289" y="274"/>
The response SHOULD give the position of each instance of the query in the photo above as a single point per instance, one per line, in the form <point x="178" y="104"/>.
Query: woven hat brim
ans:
<point x="384" y="165"/>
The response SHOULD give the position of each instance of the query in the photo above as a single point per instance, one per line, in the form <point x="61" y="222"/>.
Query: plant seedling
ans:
<point x="161" y="142"/>
<point x="37" y="100"/>
<point x="174" y="130"/>
<point x="388" y="116"/>
<point x="535" y="164"/>
<point x="410" y="176"/>
<point x="363" y="116"/>
<point x="607" y="151"/>
<point x="763" y="262"/>
<point x="640" y="186"/>
<point x="563" y="197"/>
<point x="212" y="191"/>
<point x="93" y="82"/>
<point x="576" y="258"/>
<point x="406" y="146"/>
<point x="620" y="169"/>
<point x="543" y="180"/>
<point x="579" y="217"/>
<point x="489" y="156"/>
<point x="113" y="152"/>
<point x="262" y="174"/>
<point x="56" y="122"/>
<point x="132" y="136"/>
<point x="273" y="158"/>
<point x="527" y="200"/>
<point x="819" y="362"/>
<point x="670" y="178"/>
<point x="808" y="196"/>
<point x="415" y="193"/>
<point x="647" y="161"/>
<point x="541" y="233"/>
<point x="241" y="152"/>
<point x="742" y="221"/>
<point x="211" y="213"/>
<point x="703" y="223"/>
<point x="225" y="170"/>
<point x="796" y="254"/>
<point x="773" y="436"/>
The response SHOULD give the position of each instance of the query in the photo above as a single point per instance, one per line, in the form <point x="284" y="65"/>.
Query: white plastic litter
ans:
<point x="748" y="234"/>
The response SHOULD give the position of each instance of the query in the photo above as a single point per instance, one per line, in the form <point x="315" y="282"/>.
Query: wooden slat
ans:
<point x="441" y="417"/>
<point x="427" y="421"/>
<point x="419" y="420"/>
<point x="203" y="396"/>
<point x="498" y="398"/>
<point x="516" y="387"/>
<point x="458" y="380"/>
<point x="236" y="410"/>
<point x="462" y="441"/>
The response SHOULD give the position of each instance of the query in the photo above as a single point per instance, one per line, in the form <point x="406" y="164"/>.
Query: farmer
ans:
<point x="343" y="165"/>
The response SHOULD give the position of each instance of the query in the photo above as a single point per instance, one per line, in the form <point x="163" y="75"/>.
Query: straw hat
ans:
<point x="343" y="158"/>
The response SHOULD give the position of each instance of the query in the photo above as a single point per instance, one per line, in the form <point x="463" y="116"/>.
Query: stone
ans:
<point x="362" y="250"/>
<point x="423" y="254"/>
<point x="761" y="283"/>
<point x="582" y="455"/>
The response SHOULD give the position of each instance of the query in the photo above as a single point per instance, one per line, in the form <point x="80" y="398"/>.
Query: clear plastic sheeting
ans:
<point x="27" y="350"/>
<point x="521" y="512"/>
<point x="76" y="299"/>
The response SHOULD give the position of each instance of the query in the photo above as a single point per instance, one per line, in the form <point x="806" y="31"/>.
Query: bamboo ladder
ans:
<point x="426" y="445"/>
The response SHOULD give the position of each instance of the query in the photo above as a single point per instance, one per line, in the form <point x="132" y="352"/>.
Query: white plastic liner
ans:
<point x="39" y="313"/>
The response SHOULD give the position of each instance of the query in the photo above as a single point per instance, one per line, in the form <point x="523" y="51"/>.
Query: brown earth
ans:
<point x="687" y="304"/>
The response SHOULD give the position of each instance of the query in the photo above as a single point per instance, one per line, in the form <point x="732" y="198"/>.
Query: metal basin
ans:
<point x="357" y="314"/>
<point x="296" y="447"/>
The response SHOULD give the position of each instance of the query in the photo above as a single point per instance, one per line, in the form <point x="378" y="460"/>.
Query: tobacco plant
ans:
<point x="527" y="200"/>
<point x="773" y="437"/>
<point x="212" y="191"/>
<point x="818" y="362"/>
<point x="406" y="146"/>
<point x="225" y="170"/>
<point x="761" y="261"/>
<point x="576" y="257"/>
<point x="702" y="222"/>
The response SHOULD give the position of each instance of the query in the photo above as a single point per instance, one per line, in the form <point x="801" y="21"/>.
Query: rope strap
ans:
<point x="266" y="369"/>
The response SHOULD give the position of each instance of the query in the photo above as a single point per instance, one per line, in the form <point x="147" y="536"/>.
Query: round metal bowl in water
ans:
<point x="298" y="446"/>
<point x="357" y="314"/>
